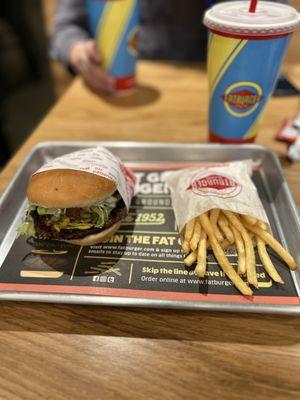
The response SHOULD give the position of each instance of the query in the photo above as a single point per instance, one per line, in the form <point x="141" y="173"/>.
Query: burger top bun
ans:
<point x="63" y="188"/>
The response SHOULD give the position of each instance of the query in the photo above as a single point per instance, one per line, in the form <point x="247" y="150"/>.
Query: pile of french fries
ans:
<point x="219" y="229"/>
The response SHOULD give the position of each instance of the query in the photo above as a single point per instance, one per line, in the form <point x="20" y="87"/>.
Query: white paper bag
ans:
<point x="227" y="186"/>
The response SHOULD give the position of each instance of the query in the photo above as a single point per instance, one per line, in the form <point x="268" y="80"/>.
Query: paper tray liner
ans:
<point x="143" y="260"/>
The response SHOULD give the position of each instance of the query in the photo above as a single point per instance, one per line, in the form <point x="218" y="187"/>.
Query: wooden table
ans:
<point x="77" y="352"/>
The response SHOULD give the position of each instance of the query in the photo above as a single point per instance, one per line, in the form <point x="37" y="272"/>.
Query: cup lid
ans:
<point x="269" y="19"/>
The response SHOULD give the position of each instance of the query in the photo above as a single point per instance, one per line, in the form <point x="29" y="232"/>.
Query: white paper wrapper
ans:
<point x="226" y="186"/>
<point x="294" y="151"/>
<point x="98" y="161"/>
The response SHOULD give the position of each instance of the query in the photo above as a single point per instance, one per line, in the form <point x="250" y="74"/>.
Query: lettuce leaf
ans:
<point x="50" y="211"/>
<point x="95" y="215"/>
<point x="26" y="228"/>
<point x="103" y="211"/>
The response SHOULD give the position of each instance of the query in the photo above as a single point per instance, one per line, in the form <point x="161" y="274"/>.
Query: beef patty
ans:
<point x="44" y="231"/>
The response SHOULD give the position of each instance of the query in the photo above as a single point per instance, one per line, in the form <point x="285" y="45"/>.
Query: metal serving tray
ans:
<point x="125" y="271"/>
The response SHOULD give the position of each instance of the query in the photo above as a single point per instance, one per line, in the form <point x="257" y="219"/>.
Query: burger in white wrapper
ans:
<point x="80" y="198"/>
<point x="225" y="186"/>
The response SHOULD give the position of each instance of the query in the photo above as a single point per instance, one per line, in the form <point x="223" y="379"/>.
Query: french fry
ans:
<point x="222" y="259"/>
<point x="240" y="251"/>
<point x="214" y="216"/>
<point x="196" y="236"/>
<point x="262" y="225"/>
<point x="201" y="255"/>
<point x="253" y="239"/>
<point x="224" y="225"/>
<point x="190" y="259"/>
<point x="200" y="234"/>
<point x="276" y="246"/>
<point x="266" y="261"/>
<point x="250" y="256"/>
<point x="189" y="229"/>
<point x="250" y="220"/>
<point x="186" y="247"/>
<point x="225" y="244"/>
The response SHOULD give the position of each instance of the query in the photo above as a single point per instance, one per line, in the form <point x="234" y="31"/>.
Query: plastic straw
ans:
<point x="253" y="5"/>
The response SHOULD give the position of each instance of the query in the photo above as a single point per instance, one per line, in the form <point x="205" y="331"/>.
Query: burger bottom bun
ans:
<point x="100" y="237"/>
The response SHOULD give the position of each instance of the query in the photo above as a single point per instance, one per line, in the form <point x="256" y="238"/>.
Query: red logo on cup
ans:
<point x="215" y="184"/>
<point x="133" y="41"/>
<point x="242" y="99"/>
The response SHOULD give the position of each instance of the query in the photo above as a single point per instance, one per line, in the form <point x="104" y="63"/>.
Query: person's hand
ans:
<point x="85" y="59"/>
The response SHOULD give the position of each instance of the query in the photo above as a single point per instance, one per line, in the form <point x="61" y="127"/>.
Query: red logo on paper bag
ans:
<point x="215" y="184"/>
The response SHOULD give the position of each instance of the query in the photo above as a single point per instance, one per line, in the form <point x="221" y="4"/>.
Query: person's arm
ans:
<point x="70" y="27"/>
<point x="73" y="46"/>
